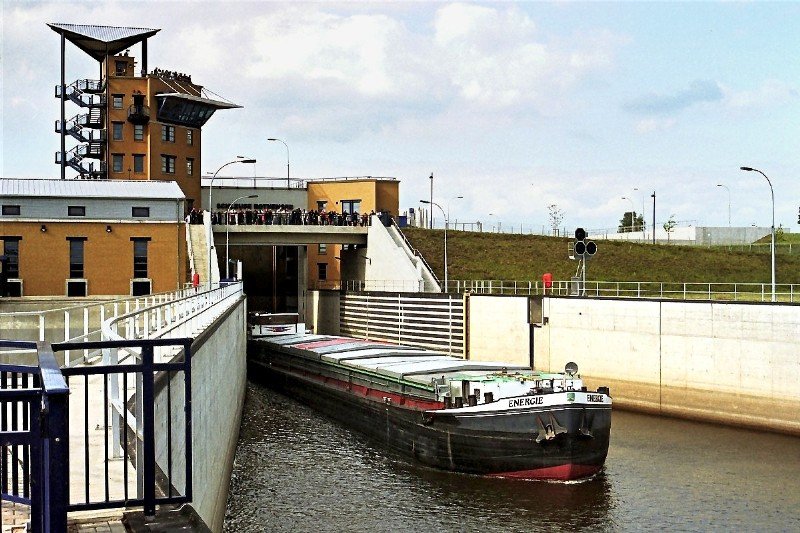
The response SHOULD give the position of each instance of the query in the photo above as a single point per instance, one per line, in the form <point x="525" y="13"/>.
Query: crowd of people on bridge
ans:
<point x="282" y="215"/>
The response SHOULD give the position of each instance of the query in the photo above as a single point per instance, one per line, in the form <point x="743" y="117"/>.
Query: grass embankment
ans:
<point x="474" y="256"/>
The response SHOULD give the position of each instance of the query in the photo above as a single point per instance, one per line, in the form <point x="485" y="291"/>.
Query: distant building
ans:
<point x="129" y="125"/>
<point x="346" y="195"/>
<point x="89" y="238"/>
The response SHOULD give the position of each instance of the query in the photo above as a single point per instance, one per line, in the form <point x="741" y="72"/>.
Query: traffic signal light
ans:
<point x="583" y="249"/>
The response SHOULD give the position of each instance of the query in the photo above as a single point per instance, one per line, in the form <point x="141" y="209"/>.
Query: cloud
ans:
<point x="649" y="125"/>
<point x="770" y="92"/>
<point x="699" y="91"/>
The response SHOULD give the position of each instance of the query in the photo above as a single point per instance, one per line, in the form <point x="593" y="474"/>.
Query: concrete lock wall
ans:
<point x="322" y="312"/>
<point x="219" y="381"/>
<point x="733" y="363"/>
<point x="726" y="362"/>
<point x="499" y="329"/>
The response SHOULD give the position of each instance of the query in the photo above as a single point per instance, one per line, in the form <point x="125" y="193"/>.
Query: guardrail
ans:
<point x="760" y="292"/>
<point x="737" y="292"/>
<point x="84" y="322"/>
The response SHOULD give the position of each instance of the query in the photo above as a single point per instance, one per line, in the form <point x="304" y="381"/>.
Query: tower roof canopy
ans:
<point x="100" y="41"/>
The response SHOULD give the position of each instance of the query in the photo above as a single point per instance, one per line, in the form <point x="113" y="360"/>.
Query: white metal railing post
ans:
<point x="85" y="332"/>
<point x="41" y="327"/>
<point x="66" y="337"/>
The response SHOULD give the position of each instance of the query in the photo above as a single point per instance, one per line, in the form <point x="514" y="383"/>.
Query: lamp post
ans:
<point x="287" y="159"/>
<point x="490" y="220"/>
<point x="653" y="196"/>
<point x="633" y="211"/>
<point x="446" y="221"/>
<point x="430" y="215"/>
<point x="239" y="159"/>
<point x="643" y="195"/>
<point x="227" y="220"/>
<point x="729" y="202"/>
<point x="772" y="232"/>
<point x="448" y="205"/>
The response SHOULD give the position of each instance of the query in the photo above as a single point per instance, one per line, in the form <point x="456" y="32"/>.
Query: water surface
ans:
<point x="297" y="470"/>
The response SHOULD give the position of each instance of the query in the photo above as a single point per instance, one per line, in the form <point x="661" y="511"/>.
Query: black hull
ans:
<point x="504" y="446"/>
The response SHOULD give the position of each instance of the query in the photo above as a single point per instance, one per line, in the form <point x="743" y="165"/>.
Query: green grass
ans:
<point x="473" y="256"/>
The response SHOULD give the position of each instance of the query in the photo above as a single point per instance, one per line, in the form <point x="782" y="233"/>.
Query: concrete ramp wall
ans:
<point x="219" y="382"/>
<point x="392" y="260"/>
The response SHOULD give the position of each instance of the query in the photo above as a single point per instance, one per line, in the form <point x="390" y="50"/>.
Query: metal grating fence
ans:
<point x="433" y="321"/>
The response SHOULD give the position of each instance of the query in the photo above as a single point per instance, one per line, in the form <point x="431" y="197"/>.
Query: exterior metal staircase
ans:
<point x="87" y="128"/>
<point x="84" y="127"/>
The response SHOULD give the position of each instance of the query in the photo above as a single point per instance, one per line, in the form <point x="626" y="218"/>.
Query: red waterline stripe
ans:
<point x="565" y="472"/>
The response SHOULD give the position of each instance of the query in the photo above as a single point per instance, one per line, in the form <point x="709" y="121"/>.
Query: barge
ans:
<point x="486" y="418"/>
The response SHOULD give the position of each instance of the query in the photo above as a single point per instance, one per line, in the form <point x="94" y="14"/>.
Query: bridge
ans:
<point x="385" y="257"/>
<point x="120" y="404"/>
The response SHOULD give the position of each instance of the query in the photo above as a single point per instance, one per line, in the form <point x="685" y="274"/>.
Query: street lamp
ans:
<point x="772" y="245"/>
<point x="497" y="220"/>
<point x="287" y="159"/>
<point x="430" y="215"/>
<point x="643" y="195"/>
<point x="446" y="221"/>
<point x="239" y="159"/>
<point x="633" y="211"/>
<point x="227" y="224"/>
<point x="729" y="202"/>
<point x="448" y="204"/>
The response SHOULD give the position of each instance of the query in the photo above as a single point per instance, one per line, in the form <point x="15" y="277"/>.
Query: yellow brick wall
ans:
<point x="108" y="257"/>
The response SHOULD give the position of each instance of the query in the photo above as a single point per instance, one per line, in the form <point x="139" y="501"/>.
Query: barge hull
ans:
<point x="451" y="442"/>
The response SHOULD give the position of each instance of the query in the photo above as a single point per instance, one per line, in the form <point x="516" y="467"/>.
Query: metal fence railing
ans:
<point x="737" y="292"/>
<point x="111" y="434"/>
<point x="34" y="456"/>
<point x="747" y="292"/>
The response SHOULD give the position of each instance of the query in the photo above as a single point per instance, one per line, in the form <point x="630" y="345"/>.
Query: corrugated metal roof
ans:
<point x="154" y="190"/>
<point x="100" y="41"/>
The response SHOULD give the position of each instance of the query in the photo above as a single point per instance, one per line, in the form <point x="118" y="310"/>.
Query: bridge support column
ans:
<point x="302" y="281"/>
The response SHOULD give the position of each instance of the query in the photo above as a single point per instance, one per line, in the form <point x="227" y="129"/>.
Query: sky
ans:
<point x="515" y="106"/>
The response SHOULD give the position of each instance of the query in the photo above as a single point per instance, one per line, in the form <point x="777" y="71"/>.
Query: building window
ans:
<point x="11" y="251"/>
<point x="168" y="164"/>
<point x="116" y="133"/>
<point x="322" y="249"/>
<point x="351" y="206"/>
<point x="190" y="137"/>
<point x="76" y="257"/>
<point x="138" y="132"/>
<point x="121" y="67"/>
<point x="189" y="166"/>
<point x="139" y="257"/>
<point x="11" y="210"/>
<point x="322" y="271"/>
<point x="76" y="210"/>
<point x="167" y="133"/>
<point x="322" y="205"/>
<point x="116" y="162"/>
<point x="138" y="163"/>
<point x="116" y="100"/>
<point x="140" y="212"/>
